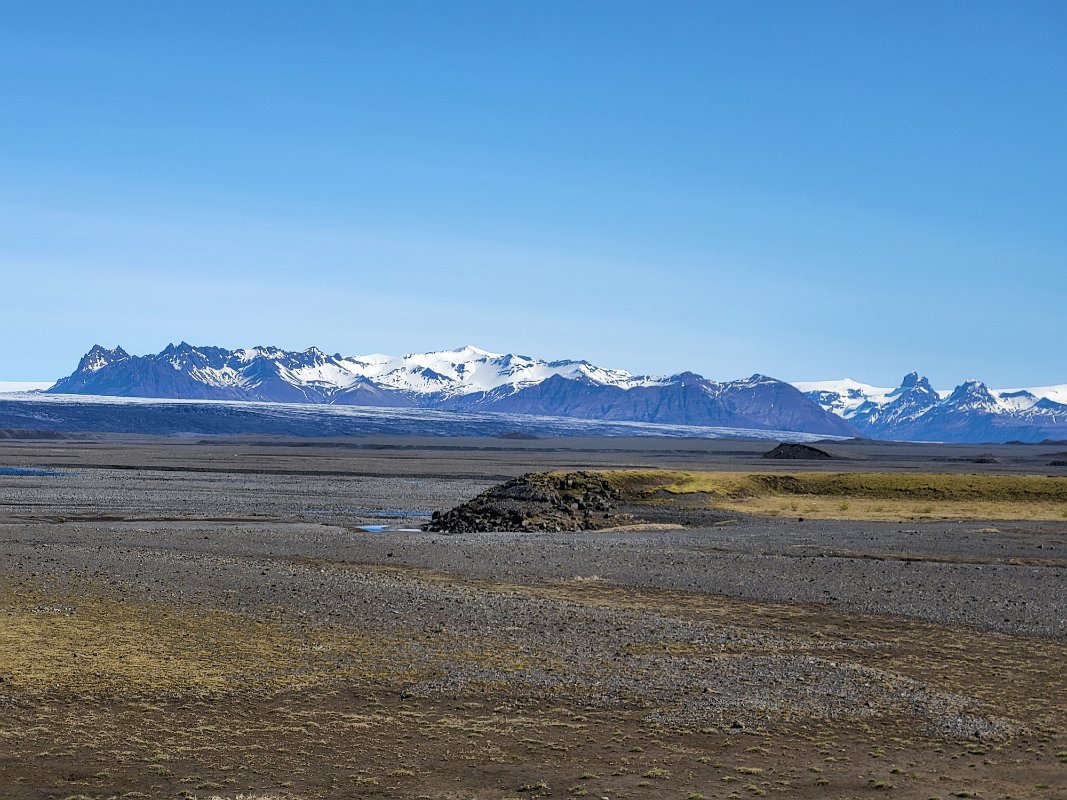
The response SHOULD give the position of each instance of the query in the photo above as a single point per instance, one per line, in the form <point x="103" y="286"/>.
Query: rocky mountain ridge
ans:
<point x="475" y="380"/>
<point x="465" y="379"/>
<point x="971" y="412"/>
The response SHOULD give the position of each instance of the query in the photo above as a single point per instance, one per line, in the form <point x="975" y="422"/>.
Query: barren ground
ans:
<point x="207" y="619"/>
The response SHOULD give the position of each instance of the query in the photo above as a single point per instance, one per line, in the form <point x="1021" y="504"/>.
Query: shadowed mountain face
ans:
<point x="468" y="379"/>
<point x="972" y="412"/>
<point x="688" y="399"/>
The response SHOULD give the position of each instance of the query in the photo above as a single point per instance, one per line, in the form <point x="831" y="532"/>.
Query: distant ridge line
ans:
<point x="470" y="378"/>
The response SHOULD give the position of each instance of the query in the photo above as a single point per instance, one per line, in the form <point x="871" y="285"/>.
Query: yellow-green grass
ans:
<point x="103" y="647"/>
<point x="858" y="495"/>
<point x="98" y="646"/>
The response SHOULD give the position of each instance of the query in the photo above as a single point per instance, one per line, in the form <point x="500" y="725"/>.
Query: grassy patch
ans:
<point x="858" y="495"/>
<point x="97" y="646"/>
<point x="104" y="647"/>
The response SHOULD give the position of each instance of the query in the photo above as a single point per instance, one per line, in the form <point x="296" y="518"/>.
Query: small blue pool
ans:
<point x="30" y="472"/>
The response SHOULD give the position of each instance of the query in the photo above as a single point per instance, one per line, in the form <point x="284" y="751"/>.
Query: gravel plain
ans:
<point x="823" y="645"/>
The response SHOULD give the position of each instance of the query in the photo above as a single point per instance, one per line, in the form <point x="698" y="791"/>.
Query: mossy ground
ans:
<point x="856" y="495"/>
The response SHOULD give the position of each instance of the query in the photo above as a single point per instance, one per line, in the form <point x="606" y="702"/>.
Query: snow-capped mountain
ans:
<point x="475" y="380"/>
<point x="466" y="379"/>
<point x="262" y="373"/>
<point x="972" y="412"/>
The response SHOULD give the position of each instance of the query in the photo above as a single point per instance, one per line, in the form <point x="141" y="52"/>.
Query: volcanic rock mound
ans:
<point x="573" y="501"/>
<point x="798" y="451"/>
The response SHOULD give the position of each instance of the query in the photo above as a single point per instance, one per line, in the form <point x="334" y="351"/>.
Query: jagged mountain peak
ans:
<point x="99" y="357"/>
<point x="970" y="388"/>
<point x="99" y="349"/>
<point x="913" y="384"/>
<point x="972" y="392"/>
<point x="972" y="411"/>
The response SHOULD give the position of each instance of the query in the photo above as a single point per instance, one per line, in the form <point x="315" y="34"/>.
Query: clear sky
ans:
<point x="808" y="190"/>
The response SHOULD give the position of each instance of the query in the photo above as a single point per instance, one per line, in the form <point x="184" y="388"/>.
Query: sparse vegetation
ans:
<point x="540" y="786"/>
<point x="386" y="680"/>
<point x="858" y="495"/>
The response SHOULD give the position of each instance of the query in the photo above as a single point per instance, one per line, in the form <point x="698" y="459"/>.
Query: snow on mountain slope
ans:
<point x="465" y="379"/>
<point x="845" y="396"/>
<point x="470" y="370"/>
<point x="449" y="373"/>
<point x="471" y="379"/>
<point x="1025" y="398"/>
<point x="969" y="412"/>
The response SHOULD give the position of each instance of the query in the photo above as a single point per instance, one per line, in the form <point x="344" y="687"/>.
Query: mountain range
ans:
<point x="972" y="412"/>
<point x="470" y="379"/>
<point x="466" y="379"/>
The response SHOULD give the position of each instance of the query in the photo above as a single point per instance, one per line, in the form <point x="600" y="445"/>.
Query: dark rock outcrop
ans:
<point x="537" y="502"/>
<point x="798" y="452"/>
<point x="27" y="433"/>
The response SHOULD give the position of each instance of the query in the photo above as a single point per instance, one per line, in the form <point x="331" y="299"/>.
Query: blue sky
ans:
<point x="807" y="190"/>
